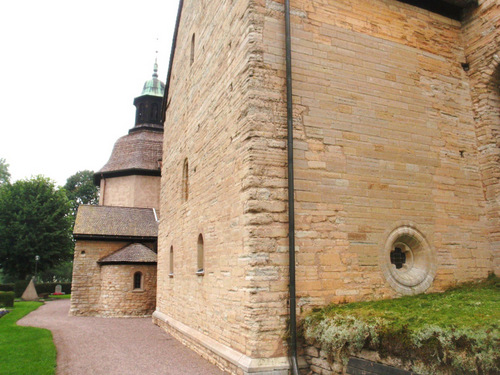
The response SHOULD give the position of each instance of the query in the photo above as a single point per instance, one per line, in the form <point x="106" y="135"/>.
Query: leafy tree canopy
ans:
<point x="80" y="189"/>
<point x="61" y="273"/>
<point x="4" y="172"/>
<point x="34" y="220"/>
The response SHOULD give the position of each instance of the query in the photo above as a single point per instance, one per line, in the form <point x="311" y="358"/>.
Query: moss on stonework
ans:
<point x="455" y="332"/>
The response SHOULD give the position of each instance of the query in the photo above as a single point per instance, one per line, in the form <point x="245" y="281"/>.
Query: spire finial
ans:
<point x="155" y="69"/>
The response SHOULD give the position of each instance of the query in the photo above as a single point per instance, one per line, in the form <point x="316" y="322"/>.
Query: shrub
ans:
<point x="7" y="287"/>
<point x="455" y="332"/>
<point x="42" y="288"/>
<point x="49" y="288"/>
<point x="343" y="336"/>
<point x="20" y="287"/>
<point x="7" y="299"/>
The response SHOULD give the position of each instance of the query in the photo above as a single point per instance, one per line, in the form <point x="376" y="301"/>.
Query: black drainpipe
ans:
<point x="291" y="205"/>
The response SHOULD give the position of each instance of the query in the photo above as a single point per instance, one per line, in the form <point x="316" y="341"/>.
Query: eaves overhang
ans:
<point x="108" y="237"/>
<point x="104" y="263"/>
<point x="125" y="172"/>
<point x="449" y="8"/>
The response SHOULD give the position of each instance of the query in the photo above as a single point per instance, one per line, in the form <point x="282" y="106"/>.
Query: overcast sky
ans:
<point x="69" y="73"/>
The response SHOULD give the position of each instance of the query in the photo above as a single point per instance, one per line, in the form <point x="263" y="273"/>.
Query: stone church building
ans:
<point x="114" y="269"/>
<point x="396" y="120"/>
<point x="395" y="112"/>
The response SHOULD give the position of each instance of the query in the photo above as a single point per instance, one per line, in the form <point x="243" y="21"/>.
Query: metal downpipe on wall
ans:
<point x="291" y="200"/>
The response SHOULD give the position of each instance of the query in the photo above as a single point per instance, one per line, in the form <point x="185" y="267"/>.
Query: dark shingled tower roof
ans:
<point x="133" y="253"/>
<point x="138" y="153"/>
<point x="97" y="222"/>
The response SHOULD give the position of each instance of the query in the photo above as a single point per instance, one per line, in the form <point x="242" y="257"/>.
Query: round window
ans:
<point x="408" y="262"/>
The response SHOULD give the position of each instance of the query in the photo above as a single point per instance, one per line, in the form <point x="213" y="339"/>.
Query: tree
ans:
<point x="62" y="273"/>
<point x="80" y="189"/>
<point x="4" y="172"/>
<point x="34" y="220"/>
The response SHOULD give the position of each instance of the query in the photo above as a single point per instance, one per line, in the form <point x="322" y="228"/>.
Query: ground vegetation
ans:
<point x="25" y="350"/>
<point x="455" y="332"/>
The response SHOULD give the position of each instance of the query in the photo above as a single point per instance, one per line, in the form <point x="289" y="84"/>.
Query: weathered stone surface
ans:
<point x="108" y="290"/>
<point x="119" y="297"/>
<point x="386" y="137"/>
<point x="481" y="30"/>
<point x="30" y="293"/>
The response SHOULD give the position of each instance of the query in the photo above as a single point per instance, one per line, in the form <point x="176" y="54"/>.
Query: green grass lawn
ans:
<point x="59" y="296"/>
<point x="25" y="350"/>
<point x="457" y="331"/>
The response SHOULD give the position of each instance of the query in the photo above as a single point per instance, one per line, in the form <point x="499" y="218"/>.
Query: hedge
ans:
<point x="7" y="287"/>
<point x="20" y="287"/>
<point x="51" y="288"/>
<point x="7" y="299"/>
<point x="44" y="288"/>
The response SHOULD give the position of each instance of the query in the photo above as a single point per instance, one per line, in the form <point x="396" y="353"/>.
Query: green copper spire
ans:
<point x="155" y="68"/>
<point x="154" y="86"/>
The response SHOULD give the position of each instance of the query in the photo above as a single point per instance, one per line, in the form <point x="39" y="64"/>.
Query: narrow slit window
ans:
<point x="200" y="258"/>
<point x="141" y="111"/>
<point x="193" y="42"/>
<point x="154" y="112"/>
<point x="171" y="261"/>
<point x="138" y="280"/>
<point x="185" y="180"/>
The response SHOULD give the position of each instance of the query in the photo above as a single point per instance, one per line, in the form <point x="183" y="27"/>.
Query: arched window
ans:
<point x="171" y="274"/>
<point x="138" y="280"/>
<point x="185" y="180"/>
<point x="193" y="41"/>
<point x="200" y="258"/>
<point x="154" y="112"/>
<point x="141" y="111"/>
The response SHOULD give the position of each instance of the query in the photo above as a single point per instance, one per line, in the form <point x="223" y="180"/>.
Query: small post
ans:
<point x="37" y="258"/>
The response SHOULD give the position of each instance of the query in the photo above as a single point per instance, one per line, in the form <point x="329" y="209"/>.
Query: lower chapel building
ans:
<point x="396" y="120"/>
<point x="114" y="268"/>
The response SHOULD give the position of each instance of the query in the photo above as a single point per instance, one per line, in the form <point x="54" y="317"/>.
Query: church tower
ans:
<point x="131" y="177"/>
<point x="148" y="105"/>
<point x="114" y="268"/>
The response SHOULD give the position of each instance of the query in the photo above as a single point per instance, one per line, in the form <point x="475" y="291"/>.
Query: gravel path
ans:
<point x="109" y="346"/>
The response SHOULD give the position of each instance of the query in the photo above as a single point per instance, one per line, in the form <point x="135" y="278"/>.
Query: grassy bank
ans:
<point x="453" y="332"/>
<point x="25" y="350"/>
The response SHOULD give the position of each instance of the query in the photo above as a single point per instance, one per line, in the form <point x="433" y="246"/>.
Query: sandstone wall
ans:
<point x="208" y="124"/>
<point x="481" y="34"/>
<point x="385" y="150"/>
<point x="385" y="146"/>
<point x="320" y="363"/>
<point x="118" y="296"/>
<point x="131" y="191"/>
<point x="86" y="287"/>
<point x="86" y="283"/>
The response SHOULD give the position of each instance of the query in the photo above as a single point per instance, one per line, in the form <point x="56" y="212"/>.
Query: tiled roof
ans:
<point x="133" y="253"/>
<point x="138" y="150"/>
<point x="104" y="221"/>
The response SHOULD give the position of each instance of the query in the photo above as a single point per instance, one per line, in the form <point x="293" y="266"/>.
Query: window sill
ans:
<point x="171" y="275"/>
<point x="200" y="273"/>
<point x="138" y="290"/>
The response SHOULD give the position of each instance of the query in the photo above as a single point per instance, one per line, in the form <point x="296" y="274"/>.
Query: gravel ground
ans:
<point x="109" y="346"/>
